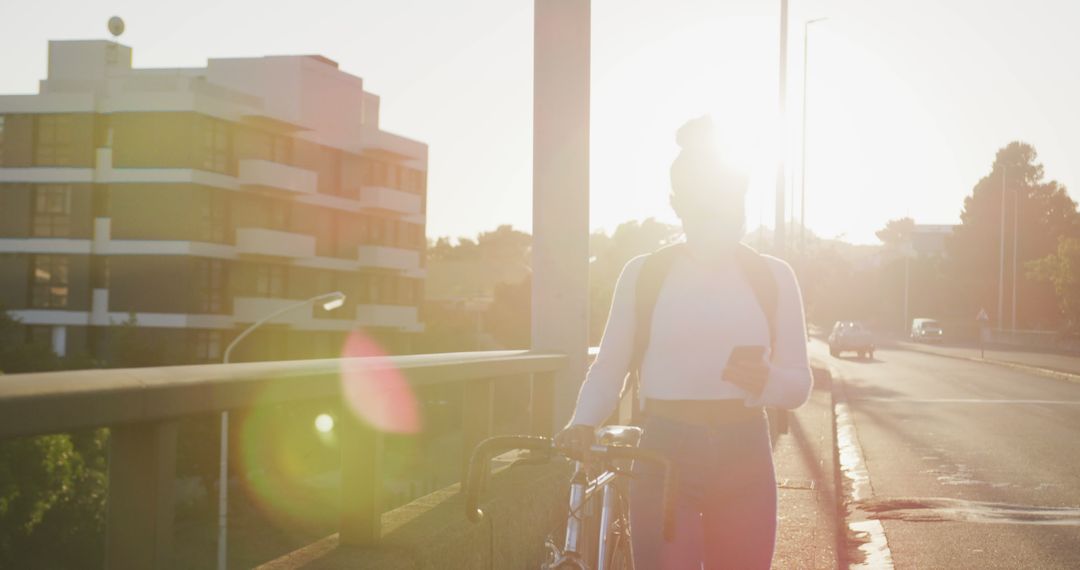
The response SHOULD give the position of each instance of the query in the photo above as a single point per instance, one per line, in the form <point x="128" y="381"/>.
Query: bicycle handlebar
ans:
<point x="501" y="444"/>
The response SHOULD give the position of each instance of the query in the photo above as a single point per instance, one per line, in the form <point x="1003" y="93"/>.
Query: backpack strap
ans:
<point x="757" y="272"/>
<point x="646" y="291"/>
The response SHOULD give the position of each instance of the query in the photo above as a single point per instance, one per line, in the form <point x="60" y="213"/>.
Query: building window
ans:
<point x="405" y="291"/>
<point x="207" y="346"/>
<point x="214" y="222"/>
<point x="270" y="281"/>
<point x="364" y="289"/>
<point x="277" y="214"/>
<point x="216" y="146"/>
<point x="376" y="228"/>
<point x="210" y="285"/>
<point x="281" y="149"/>
<point x="52" y="211"/>
<point x="54" y="140"/>
<point x="49" y="282"/>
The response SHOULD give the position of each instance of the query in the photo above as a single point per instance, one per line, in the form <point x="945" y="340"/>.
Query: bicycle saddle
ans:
<point x="628" y="436"/>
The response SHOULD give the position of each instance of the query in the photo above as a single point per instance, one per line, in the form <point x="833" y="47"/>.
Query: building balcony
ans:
<point x="47" y="175"/>
<point x="382" y="257"/>
<point x="389" y="200"/>
<point x="388" y="316"/>
<point x="261" y="241"/>
<point x="266" y="174"/>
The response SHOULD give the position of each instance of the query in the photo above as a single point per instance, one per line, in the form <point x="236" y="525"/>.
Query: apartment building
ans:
<point x="200" y="200"/>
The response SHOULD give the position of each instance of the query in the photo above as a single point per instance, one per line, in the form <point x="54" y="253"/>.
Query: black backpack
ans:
<point x="649" y="282"/>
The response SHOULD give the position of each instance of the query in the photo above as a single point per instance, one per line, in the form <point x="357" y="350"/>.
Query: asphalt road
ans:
<point x="971" y="465"/>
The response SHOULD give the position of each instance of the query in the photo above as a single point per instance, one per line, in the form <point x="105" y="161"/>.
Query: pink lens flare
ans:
<point x="374" y="390"/>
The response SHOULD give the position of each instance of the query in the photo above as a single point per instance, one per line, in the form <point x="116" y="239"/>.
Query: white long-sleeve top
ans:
<point x="704" y="309"/>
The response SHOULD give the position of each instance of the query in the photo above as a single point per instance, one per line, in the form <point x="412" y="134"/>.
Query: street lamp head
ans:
<point x="336" y="300"/>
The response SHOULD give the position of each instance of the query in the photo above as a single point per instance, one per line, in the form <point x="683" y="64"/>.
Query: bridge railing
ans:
<point x="141" y="408"/>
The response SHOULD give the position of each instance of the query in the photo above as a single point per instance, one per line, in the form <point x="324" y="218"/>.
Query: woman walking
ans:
<point x="715" y="332"/>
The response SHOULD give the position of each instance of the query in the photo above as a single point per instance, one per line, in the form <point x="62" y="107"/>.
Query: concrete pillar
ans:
<point x="139" y="511"/>
<point x="561" y="191"/>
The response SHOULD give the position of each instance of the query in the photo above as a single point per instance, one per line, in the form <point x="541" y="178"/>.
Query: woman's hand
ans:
<point x="575" y="440"/>
<point x="750" y="375"/>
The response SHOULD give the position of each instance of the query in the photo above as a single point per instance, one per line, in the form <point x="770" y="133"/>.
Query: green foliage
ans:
<point x="896" y="232"/>
<point x="609" y="255"/>
<point x="131" y="347"/>
<point x="1062" y="270"/>
<point x="52" y="500"/>
<point x="19" y="355"/>
<point x="1045" y="213"/>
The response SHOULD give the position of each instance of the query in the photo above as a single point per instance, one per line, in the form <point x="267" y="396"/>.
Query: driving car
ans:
<point x="851" y="336"/>
<point x="926" y="330"/>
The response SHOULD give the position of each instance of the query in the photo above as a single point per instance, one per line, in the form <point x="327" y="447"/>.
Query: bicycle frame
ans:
<point x="584" y="492"/>
<point x="582" y="496"/>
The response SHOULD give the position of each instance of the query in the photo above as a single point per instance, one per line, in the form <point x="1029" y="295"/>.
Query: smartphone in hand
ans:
<point x="747" y="369"/>
<point x="747" y="353"/>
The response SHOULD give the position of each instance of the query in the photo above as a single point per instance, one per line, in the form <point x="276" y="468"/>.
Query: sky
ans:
<point x="907" y="102"/>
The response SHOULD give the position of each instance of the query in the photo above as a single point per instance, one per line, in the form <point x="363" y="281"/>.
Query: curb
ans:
<point x="1045" y="372"/>
<point x="858" y="533"/>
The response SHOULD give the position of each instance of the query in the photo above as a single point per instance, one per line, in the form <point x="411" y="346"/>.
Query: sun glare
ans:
<point x="324" y="423"/>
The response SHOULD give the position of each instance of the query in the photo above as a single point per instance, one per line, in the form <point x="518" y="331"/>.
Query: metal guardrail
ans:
<point x="142" y="405"/>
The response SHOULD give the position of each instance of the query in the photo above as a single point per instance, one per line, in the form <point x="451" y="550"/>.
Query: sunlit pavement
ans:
<point x="807" y="531"/>
<point x="971" y="465"/>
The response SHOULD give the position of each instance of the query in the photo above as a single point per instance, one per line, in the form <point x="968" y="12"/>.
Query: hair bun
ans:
<point x="696" y="134"/>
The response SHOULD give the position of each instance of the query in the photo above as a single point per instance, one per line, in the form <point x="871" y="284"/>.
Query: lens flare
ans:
<point x="288" y="470"/>
<point x="324" y="423"/>
<point x="374" y="390"/>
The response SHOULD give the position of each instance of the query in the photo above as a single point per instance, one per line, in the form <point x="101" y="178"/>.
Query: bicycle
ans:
<point x="598" y="523"/>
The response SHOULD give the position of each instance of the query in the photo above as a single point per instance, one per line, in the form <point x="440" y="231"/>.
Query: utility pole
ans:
<point x="1001" y="258"/>
<point x="780" y="233"/>
<point x="1016" y="257"/>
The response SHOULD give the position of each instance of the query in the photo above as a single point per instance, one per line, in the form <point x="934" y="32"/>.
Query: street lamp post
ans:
<point x="330" y="301"/>
<point x="779" y="234"/>
<point x="1016" y="247"/>
<point x="802" y="161"/>
<point x="1001" y="256"/>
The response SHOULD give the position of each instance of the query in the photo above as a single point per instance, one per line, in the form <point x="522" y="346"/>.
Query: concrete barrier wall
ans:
<point x="523" y="505"/>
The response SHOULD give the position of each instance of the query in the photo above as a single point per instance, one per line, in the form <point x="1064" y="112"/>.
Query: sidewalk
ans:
<point x="1060" y="365"/>
<point x="807" y="536"/>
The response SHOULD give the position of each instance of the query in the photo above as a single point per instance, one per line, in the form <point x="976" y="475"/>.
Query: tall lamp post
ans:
<point x="330" y="301"/>
<point x="779" y="233"/>
<point x="802" y="161"/>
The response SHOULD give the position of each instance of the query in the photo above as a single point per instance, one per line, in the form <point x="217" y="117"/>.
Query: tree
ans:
<point x="52" y="500"/>
<point x="1062" y="270"/>
<point x="17" y="354"/>
<point x="52" y="487"/>
<point x="896" y="232"/>
<point x="608" y="256"/>
<point x="129" y="347"/>
<point x="1045" y="213"/>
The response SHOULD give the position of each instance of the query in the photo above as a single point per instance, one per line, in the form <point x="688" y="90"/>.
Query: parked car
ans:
<point x="851" y="336"/>
<point x="926" y="330"/>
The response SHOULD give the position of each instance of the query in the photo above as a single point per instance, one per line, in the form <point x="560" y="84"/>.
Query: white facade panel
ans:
<point x="261" y="241"/>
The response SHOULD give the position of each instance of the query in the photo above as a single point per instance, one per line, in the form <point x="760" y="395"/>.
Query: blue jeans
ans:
<point x="725" y="515"/>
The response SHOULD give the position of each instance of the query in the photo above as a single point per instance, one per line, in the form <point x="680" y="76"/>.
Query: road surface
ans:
<point x="971" y="465"/>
